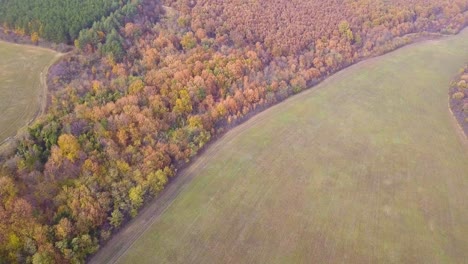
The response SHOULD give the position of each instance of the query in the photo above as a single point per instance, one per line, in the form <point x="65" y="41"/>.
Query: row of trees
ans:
<point x="54" y="20"/>
<point x="122" y="122"/>
<point x="459" y="98"/>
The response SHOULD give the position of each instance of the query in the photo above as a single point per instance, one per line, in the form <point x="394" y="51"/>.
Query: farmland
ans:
<point x="367" y="167"/>
<point x="21" y="88"/>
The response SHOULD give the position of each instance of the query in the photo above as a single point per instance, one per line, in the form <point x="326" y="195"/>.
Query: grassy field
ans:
<point x="367" y="167"/>
<point x="22" y="69"/>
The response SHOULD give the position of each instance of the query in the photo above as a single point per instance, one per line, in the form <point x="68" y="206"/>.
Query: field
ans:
<point x="22" y="89"/>
<point x="367" y="167"/>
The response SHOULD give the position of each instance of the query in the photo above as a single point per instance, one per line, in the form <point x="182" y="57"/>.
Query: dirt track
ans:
<point x="23" y="71"/>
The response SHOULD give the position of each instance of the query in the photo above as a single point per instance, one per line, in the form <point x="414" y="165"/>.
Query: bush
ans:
<point x="458" y="96"/>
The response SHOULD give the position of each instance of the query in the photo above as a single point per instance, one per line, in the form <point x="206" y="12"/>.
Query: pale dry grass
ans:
<point x="22" y="92"/>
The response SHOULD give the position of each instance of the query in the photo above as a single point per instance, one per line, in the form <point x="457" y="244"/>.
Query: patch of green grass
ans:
<point x="21" y="91"/>
<point x="365" y="168"/>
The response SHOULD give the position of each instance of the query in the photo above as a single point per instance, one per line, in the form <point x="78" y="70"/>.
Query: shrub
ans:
<point x="458" y="96"/>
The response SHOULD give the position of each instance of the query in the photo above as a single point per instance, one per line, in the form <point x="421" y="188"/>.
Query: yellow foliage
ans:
<point x="89" y="165"/>
<point x="136" y="87"/>
<point x="349" y="35"/>
<point x="101" y="35"/>
<point x="183" y="103"/>
<point x="96" y="86"/>
<point x="35" y="37"/>
<point x="69" y="146"/>
<point x="123" y="166"/>
<point x="221" y="109"/>
<point x="20" y="31"/>
<point x="135" y="195"/>
<point x="63" y="228"/>
<point x="458" y="95"/>
<point x="8" y="189"/>
<point x="195" y="122"/>
<point x="188" y="41"/>
<point x="343" y="27"/>
<point x="14" y="242"/>
<point x="157" y="180"/>
<point x="77" y="43"/>
<point x="462" y="84"/>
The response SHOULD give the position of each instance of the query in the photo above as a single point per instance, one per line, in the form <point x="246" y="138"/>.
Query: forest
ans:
<point x="153" y="82"/>
<point x="54" y="20"/>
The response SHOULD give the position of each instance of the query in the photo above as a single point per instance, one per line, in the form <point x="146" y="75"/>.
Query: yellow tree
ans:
<point x="35" y="38"/>
<point x="69" y="146"/>
<point x="135" y="195"/>
<point x="183" y="103"/>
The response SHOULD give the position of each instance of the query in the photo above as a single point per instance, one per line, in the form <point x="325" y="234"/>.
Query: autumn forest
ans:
<point x="150" y="83"/>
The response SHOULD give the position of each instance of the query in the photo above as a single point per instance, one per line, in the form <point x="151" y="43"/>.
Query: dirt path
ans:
<point x="36" y="80"/>
<point x="458" y="128"/>
<point x="45" y="89"/>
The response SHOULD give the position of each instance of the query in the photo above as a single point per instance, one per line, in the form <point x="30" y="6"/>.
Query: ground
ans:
<point x="22" y="87"/>
<point x="367" y="167"/>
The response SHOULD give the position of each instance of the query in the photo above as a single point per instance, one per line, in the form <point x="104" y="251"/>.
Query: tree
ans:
<point x="8" y="190"/>
<point x="64" y="229"/>
<point x="113" y="46"/>
<point x="116" y="218"/>
<point x="343" y="26"/>
<point x="42" y="258"/>
<point x="183" y="103"/>
<point x="34" y="37"/>
<point x="83" y="246"/>
<point x="69" y="146"/>
<point x="136" y="199"/>
<point x="188" y="41"/>
<point x="157" y="180"/>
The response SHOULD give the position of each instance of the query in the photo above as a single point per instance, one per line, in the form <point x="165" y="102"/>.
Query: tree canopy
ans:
<point x="54" y="20"/>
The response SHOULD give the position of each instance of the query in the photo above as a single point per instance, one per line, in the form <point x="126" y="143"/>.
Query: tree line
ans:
<point x="458" y="93"/>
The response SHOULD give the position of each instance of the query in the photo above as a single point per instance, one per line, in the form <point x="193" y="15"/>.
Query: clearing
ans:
<point x="23" y="70"/>
<point x="367" y="167"/>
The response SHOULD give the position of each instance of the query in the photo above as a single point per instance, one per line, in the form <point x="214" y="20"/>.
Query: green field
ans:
<point x="22" y="88"/>
<point x="367" y="167"/>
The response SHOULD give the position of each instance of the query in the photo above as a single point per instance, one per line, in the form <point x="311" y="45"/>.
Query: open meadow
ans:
<point x="367" y="167"/>
<point x="22" y="87"/>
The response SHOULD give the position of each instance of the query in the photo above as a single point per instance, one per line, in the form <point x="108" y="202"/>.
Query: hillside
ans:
<point x="347" y="172"/>
<point x="143" y="93"/>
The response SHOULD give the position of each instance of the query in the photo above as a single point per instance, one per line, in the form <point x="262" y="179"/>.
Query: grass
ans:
<point x="22" y="91"/>
<point x="367" y="167"/>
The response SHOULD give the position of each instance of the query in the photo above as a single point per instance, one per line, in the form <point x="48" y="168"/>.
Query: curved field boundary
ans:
<point x="23" y="85"/>
<point x="457" y="127"/>
<point x="143" y="239"/>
